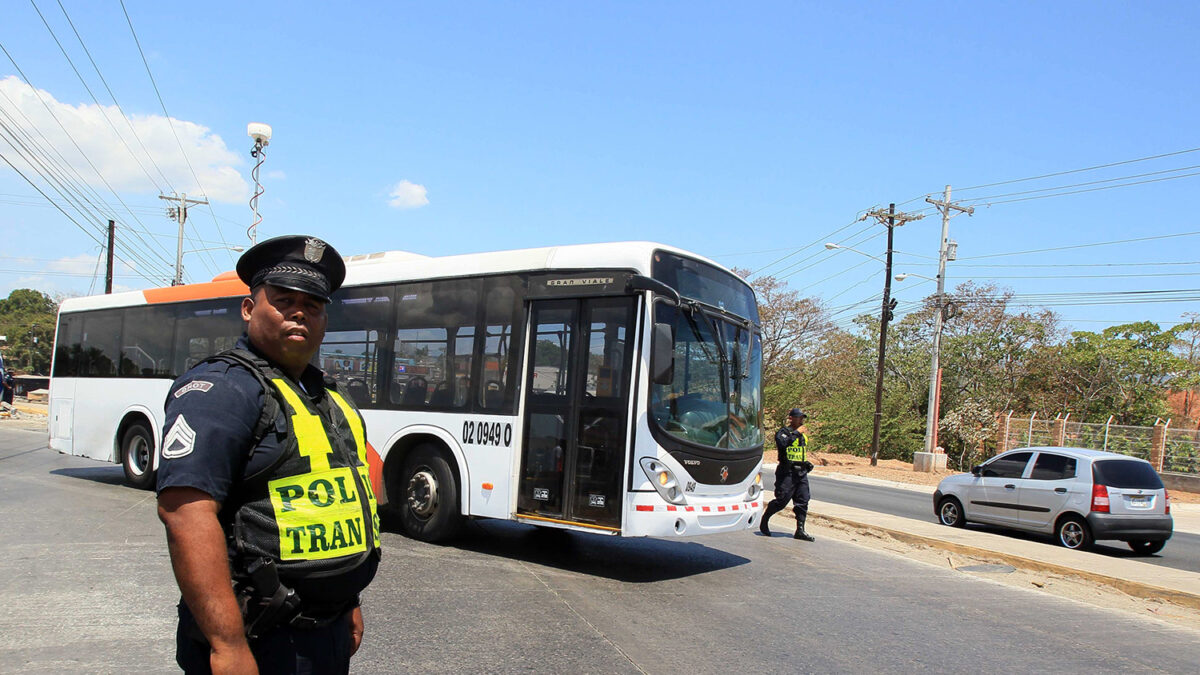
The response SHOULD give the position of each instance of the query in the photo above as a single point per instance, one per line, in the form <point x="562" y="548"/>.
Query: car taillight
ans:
<point x="1099" y="498"/>
<point x="1167" y="498"/>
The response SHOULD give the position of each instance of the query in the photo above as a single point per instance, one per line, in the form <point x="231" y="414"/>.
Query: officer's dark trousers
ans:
<point x="791" y="484"/>
<point x="283" y="650"/>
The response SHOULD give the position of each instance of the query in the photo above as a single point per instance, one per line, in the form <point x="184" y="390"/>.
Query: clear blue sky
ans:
<point x="741" y="131"/>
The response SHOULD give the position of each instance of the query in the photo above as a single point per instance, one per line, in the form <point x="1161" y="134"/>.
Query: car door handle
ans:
<point x="1010" y="486"/>
<point x="1061" y="491"/>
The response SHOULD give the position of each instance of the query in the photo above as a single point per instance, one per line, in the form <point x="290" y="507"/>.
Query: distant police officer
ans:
<point x="264" y="487"/>
<point x="791" y="476"/>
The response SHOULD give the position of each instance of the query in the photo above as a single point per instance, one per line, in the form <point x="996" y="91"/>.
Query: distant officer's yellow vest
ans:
<point x="797" y="451"/>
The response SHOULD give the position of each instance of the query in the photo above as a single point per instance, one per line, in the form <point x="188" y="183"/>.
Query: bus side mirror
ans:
<point x="662" y="355"/>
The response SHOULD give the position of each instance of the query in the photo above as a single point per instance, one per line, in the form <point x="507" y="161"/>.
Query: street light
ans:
<point x="904" y="275"/>
<point x="834" y="247"/>
<point x="179" y="269"/>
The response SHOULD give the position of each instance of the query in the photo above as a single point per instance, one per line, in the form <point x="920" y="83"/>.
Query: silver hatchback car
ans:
<point x="1077" y="495"/>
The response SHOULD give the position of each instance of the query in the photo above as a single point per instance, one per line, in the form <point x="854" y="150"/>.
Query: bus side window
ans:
<point x="146" y="342"/>
<point x="501" y="315"/>
<point x="205" y="329"/>
<point x="352" y="351"/>
<point x="69" y="346"/>
<point x="434" y="345"/>
<point x="101" y="343"/>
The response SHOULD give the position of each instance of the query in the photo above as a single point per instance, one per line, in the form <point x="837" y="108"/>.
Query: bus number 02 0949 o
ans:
<point x="487" y="433"/>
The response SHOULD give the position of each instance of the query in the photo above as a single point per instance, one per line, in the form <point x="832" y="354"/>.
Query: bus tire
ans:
<point x="429" y="506"/>
<point x="137" y="456"/>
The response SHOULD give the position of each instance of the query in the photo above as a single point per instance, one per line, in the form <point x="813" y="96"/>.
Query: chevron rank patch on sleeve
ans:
<point x="180" y="440"/>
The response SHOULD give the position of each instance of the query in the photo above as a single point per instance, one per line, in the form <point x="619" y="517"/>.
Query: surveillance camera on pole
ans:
<point x="261" y="133"/>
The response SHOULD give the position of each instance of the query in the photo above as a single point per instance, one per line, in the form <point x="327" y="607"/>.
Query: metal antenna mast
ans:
<point x="261" y="133"/>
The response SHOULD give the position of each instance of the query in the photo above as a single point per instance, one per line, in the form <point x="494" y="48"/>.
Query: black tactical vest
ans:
<point x="312" y="510"/>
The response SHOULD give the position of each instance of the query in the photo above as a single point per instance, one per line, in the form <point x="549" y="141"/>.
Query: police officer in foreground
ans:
<point x="263" y="485"/>
<point x="791" y="475"/>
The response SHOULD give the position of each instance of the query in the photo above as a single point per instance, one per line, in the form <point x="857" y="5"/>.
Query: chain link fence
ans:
<point x="1181" y="451"/>
<point x="1170" y="450"/>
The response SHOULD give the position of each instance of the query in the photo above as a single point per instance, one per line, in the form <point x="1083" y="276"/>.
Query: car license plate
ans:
<point x="1139" y="500"/>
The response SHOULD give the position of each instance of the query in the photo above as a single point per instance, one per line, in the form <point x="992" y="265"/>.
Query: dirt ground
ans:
<point x="23" y="416"/>
<point x="902" y="472"/>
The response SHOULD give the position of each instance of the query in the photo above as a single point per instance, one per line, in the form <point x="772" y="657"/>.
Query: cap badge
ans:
<point x="314" y="250"/>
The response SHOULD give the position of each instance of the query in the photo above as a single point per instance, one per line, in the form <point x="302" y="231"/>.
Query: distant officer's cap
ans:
<point x="796" y="412"/>
<point x="297" y="262"/>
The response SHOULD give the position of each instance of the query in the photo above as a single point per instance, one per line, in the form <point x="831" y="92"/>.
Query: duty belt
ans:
<point x="267" y="603"/>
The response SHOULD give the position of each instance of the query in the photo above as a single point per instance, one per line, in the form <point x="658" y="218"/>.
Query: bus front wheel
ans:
<point x="429" y="510"/>
<point x="137" y="456"/>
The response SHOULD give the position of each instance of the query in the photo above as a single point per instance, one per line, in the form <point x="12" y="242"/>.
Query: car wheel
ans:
<point x="950" y="512"/>
<point x="1074" y="533"/>
<point x="1143" y="547"/>
<point x="137" y="456"/>
<point x="429" y="510"/>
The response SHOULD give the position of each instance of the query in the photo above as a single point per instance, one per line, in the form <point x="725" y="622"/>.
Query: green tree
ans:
<point x="27" y="321"/>
<point x="1123" y="371"/>
<point x="1187" y="348"/>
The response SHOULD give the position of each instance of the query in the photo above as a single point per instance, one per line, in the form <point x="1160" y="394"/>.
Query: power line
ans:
<point x="806" y="246"/>
<point x="59" y="184"/>
<point x="114" y="98"/>
<point x="1086" y="168"/>
<point x="93" y="95"/>
<point x="1098" y="189"/>
<point x="1125" y="264"/>
<point x="1085" y="276"/>
<point x="70" y="137"/>
<point x="85" y="230"/>
<point x="875" y="234"/>
<point x="171" y="124"/>
<point x="1099" y="243"/>
<point x="1093" y="182"/>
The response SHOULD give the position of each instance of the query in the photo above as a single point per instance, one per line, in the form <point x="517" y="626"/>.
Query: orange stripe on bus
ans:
<point x="212" y="289"/>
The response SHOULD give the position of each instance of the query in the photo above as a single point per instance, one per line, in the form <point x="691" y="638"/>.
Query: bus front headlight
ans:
<point x="755" y="488"/>
<point x="663" y="480"/>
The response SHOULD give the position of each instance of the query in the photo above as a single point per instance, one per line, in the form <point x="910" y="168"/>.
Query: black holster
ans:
<point x="265" y="602"/>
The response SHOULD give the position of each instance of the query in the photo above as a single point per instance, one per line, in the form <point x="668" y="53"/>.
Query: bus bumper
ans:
<point x="648" y="516"/>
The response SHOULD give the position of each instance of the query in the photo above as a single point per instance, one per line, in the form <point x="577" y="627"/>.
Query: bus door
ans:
<point x="576" y="410"/>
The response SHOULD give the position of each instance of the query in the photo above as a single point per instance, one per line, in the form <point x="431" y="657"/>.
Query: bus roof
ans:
<point x="394" y="266"/>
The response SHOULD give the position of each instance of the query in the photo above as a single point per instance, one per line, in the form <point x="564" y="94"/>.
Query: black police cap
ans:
<point x="796" y="412"/>
<point x="297" y="262"/>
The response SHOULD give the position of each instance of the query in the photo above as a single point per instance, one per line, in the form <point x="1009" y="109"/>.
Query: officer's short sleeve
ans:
<point x="781" y="440"/>
<point x="210" y="416"/>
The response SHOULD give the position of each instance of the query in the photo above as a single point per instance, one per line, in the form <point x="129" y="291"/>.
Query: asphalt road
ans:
<point x="86" y="586"/>
<point x="1181" y="552"/>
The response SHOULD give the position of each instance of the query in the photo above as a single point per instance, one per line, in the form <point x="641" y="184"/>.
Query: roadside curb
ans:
<point x="1133" y="588"/>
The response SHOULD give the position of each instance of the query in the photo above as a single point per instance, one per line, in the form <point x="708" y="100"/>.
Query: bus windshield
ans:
<point x="714" y="398"/>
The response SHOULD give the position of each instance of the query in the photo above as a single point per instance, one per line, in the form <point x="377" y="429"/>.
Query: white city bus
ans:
<point x="611" y="388"/>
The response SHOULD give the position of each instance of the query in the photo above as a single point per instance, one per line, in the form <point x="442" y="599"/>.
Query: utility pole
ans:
<point x="948" y="210"/>
<point x="889" y="220"/>
<point x="108" y="268"/>
<point x="179" y="213"/>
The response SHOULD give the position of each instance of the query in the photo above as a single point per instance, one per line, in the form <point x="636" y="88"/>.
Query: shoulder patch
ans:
<point x="180" y="440"/>
<point x="194" y="385"/>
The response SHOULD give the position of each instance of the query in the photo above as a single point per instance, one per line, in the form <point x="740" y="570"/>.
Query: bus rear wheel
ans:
<point x="429" y="506"/>
<point x="137" y="456"/>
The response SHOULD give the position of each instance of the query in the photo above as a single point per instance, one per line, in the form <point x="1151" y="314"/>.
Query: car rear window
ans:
<point x="1126" y="473"/>
<point x="1053" y="467"/>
